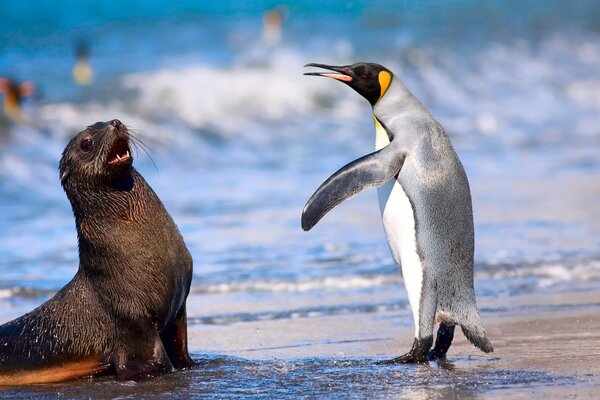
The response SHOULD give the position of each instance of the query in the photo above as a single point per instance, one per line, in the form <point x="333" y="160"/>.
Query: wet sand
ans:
<point x="545" y="345"/>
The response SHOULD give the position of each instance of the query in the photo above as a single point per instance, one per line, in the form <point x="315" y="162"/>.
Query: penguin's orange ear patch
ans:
<point x="385" y="78"/>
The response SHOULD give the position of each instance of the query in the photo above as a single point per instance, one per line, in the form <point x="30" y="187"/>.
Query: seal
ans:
<point x="425" y="205"/>
<point x="124" y="311"/>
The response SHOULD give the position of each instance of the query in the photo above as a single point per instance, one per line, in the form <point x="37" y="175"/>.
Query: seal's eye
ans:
<point x="86" y="144"/>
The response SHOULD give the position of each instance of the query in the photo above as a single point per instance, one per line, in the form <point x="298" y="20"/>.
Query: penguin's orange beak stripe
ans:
<point x="339" y="77"/>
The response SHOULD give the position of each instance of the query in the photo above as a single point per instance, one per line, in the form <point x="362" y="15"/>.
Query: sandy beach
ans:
<point x="538" y="353"/>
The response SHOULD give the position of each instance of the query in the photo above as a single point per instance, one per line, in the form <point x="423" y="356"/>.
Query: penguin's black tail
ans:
<point x="473" y="329"/>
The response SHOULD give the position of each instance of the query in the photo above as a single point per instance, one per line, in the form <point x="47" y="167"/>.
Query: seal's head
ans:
<point x="98" y="156"/>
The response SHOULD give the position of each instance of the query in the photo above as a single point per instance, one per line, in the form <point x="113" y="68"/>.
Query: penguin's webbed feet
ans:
<point x="420" y="351"/>
<point x="435" y="354"/>
<point x="408" y="358"/>
<point x="443" y="341"/>
<point x="418" y="354"/>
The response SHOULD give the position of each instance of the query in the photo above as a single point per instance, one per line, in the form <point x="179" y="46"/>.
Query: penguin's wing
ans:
<point x="367" y="172"/>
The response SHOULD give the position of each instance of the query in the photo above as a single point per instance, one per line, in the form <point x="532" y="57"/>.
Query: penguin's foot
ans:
<point x="418" y="354"/>
<point x="435" y="354"/>
<point x="408" y="358"/>
<point x="443" y="341"/>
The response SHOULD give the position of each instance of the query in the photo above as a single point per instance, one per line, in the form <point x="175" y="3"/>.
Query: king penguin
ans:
<point x="14" y="93"/>
<point x="425" y="204"/>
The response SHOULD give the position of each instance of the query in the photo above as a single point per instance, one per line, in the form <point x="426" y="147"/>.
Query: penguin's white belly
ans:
<point x="399" y="225"/>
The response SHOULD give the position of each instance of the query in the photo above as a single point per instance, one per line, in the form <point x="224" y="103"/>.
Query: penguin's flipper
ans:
<point x="367" y="172"/>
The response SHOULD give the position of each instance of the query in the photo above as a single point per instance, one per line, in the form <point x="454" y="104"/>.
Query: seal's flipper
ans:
<point x="143" y="357"/>
<point x="174" y="338"/>
<point x="86" y="367"/>
<point x="367" y="172"/>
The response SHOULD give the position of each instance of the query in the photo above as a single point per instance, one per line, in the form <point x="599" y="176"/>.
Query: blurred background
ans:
<point x="238" y="140"/>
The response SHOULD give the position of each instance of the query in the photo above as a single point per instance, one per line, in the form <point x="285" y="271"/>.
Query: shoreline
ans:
<point x="556" y="352"/>
<point x="546" y="344"/>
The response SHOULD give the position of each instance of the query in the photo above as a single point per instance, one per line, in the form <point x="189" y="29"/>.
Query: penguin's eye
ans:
<point x="86" y="144"/>
<point x="363" y="76"/>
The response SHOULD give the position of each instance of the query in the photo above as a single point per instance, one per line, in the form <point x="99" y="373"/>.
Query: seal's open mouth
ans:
<point x="119" y="154"/>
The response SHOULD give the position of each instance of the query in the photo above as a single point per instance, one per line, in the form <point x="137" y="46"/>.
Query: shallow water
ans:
<point x="309" y="378"/>
<point x="239" y="139"/>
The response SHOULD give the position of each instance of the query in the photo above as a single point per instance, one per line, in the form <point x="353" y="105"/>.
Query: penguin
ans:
<point x="14" y="94"/>
<point x="82" y="70"/>
<point x="425" y="204"/>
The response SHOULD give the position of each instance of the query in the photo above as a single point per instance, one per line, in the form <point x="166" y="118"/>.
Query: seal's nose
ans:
<point x="116" y="123"/>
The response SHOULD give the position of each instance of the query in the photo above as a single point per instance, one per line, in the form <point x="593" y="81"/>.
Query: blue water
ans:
<point x="355" y="379"/>
<point x="238" y="140"/>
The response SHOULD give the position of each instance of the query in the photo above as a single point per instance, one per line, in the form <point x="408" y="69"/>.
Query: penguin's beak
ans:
<point x="343" y="74"/>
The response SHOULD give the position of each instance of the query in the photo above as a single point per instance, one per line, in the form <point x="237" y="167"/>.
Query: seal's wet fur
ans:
<point x="124" y="311"/>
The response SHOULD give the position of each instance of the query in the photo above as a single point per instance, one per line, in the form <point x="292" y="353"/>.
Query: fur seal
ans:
<point x="425" y="205"/>
<point x="124" y="311"/>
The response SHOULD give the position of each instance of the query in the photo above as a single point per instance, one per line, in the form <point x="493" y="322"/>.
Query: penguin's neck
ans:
<point x="397" y="105"/>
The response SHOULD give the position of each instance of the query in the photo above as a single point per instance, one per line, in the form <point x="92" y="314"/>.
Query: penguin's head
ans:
<point x="370" y="80"/>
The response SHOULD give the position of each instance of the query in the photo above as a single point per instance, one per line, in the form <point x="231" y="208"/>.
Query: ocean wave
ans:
<point x="544" y="274"/>
<point x="327" y="283"/>
<point x="488" y="95"/>
<point x="306" y="312"/>
<point x="547" y="272"/>
<point x="26" y="293"/>
<point x="516" y="93"/>
<point x="234" y="99"/>
<point x="479" y="92"/>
